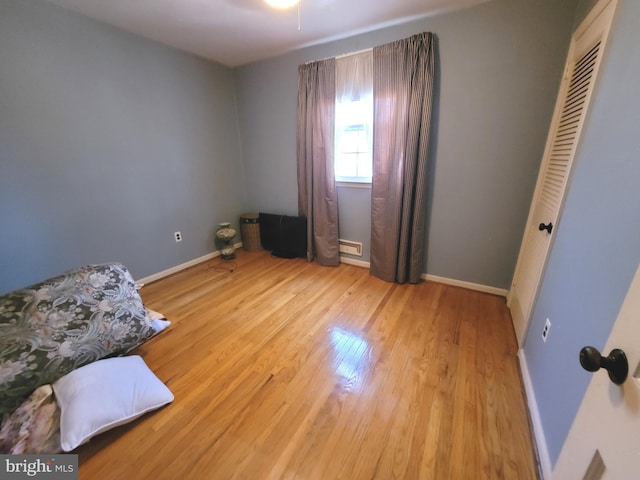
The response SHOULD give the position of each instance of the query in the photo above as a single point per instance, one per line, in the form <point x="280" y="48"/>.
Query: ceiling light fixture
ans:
<point x="282" y="4"/>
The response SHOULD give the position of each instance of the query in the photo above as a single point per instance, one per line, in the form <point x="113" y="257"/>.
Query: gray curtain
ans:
<point x="317" y="197"/>
<point x="403" y="74"/>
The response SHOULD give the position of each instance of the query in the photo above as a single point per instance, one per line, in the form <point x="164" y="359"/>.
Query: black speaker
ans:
<point x="284" y="236"/>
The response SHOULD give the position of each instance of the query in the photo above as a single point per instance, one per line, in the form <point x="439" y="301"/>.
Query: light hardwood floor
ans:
<point x="283" y="369"/>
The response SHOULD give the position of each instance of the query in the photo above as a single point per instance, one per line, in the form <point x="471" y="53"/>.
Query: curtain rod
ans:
<point x="343" y="55"/>
<point x="354" y="53"/>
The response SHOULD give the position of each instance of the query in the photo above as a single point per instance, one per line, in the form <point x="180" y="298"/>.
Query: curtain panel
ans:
<point x="317" y="195"/>
<point x="403" y="74"/>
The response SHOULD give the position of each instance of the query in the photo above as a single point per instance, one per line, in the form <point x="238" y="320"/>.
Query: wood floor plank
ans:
<point x="282" y="369"/>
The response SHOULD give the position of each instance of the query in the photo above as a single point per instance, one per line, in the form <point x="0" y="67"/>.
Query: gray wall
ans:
<point x="583" y="9"/>
<point x="597" y="240"/>
<point x="108" y="144"/>
<point x="499" y="71"/>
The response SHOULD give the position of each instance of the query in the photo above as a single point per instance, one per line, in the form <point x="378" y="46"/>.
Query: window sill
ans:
<point x="353" y="184"/>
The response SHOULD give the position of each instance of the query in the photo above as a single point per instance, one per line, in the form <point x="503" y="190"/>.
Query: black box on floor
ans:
<point x="284" y="236"/>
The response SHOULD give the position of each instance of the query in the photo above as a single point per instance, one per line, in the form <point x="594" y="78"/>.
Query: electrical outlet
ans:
<point x="177" y="236"/>
<point x="545" y="330"/>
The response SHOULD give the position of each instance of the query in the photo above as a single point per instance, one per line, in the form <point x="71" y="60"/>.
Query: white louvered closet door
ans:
<point x="584" y="59"/>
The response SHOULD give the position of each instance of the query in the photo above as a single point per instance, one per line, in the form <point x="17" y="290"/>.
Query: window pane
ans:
<point x="351" y="139"/>
<point x="346" y="165"/>
<point x="354" y="118"/>
<point x="365" y="166"/>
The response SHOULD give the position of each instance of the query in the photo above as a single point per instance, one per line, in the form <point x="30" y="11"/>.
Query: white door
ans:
<point x="603" y="440"/>
<point x="585" y="54"/>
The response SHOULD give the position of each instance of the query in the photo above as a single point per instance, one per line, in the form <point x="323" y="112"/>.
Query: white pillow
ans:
<point x="105" y="394"/>
<point x="159" y="325"/>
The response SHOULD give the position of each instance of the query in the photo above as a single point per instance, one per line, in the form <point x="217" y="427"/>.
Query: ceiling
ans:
<point x="236" y="32"/>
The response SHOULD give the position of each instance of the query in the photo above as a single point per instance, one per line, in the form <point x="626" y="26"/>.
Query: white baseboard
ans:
<point x="447" y="281"/>
<point x="182" y="266"/>
<point x="353" y="261"/>
<point x="343" y="259"/>
<point x="536" y="421"/>
<point x="471" y="286"/>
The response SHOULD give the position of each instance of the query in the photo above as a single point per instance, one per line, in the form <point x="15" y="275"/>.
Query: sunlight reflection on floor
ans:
<point x="351" y="354"/>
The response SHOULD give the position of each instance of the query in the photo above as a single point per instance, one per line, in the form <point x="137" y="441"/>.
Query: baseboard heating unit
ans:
<point x="350" y="247"/>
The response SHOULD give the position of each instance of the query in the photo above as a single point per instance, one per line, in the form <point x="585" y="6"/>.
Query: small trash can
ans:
<point x="250" y="231"/>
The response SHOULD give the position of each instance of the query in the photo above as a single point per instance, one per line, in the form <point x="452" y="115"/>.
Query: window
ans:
<point x="354" y="118"/>
<point x="353" y="145"/>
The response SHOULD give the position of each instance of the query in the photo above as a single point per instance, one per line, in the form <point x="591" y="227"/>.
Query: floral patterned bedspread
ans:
<point x="56" y="326"/>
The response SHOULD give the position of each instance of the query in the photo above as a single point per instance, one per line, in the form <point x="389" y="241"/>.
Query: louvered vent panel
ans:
<point x="565" y="137"/>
